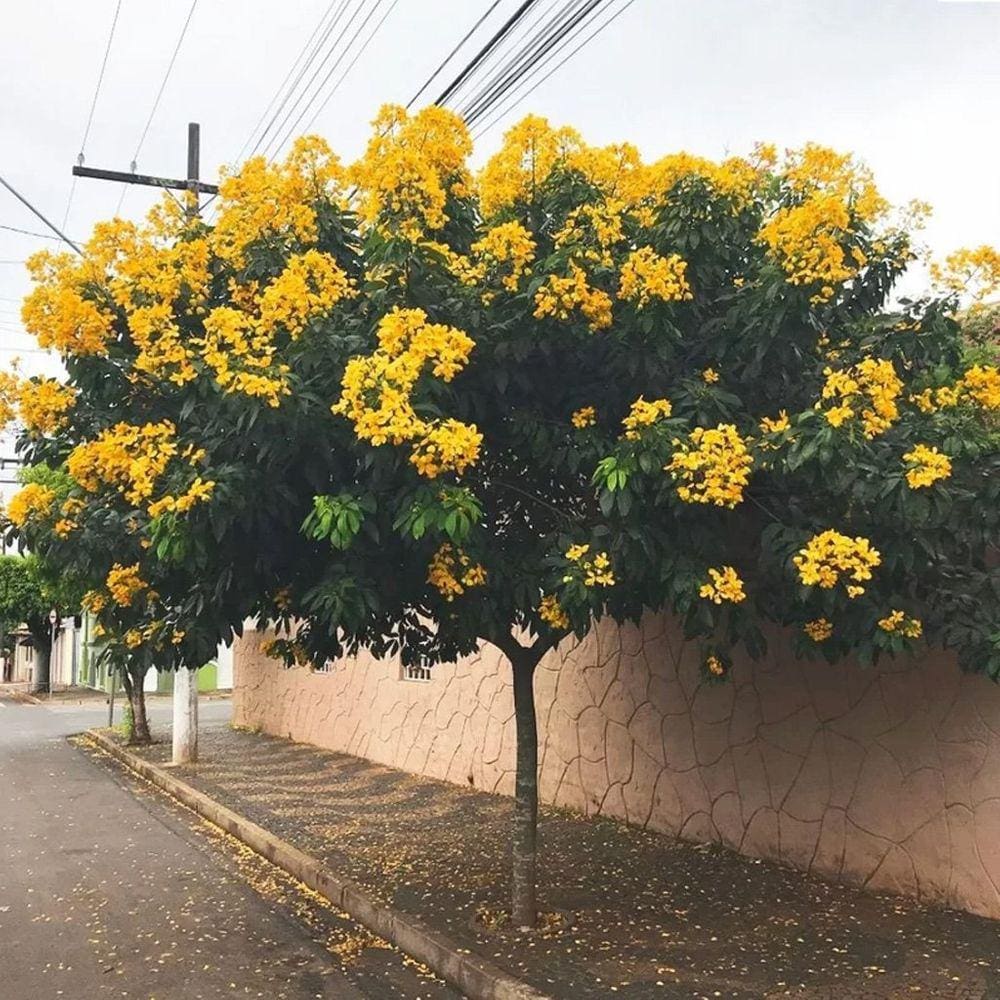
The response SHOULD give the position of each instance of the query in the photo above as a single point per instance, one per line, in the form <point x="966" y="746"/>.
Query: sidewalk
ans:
<point x="651" y="917"/>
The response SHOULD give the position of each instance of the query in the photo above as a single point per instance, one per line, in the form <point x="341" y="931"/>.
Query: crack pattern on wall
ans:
<point x="887" y="777"/>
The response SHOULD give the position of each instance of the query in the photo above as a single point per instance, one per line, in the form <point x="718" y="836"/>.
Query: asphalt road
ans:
<point x="107" y="889"/>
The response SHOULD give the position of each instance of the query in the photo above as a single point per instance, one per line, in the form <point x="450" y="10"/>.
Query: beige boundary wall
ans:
<point x="887" y="777"/>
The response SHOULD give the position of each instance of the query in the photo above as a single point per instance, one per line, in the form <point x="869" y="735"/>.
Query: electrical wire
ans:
<point x="93" y="108"/>
<point x="350" y="66"/>
<point x="512" y="41"/>
<point x="24" y="201"/>
<point x="559" y="27"/>
<point x="495" y="40"/>
<point x="292" y="128"/>
<point x="511" y="104"/>
<point x="447" y="59"/>
<point x="156" y="100"/>
<point x="30" y="232"/>
<point x="271" y="147"/>
<point x="317" y="48"/>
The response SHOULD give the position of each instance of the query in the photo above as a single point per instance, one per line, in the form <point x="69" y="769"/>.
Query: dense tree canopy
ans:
<point x="398" y="405"/>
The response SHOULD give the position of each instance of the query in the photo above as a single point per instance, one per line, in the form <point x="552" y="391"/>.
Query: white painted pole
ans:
<point x="185" y="742"/>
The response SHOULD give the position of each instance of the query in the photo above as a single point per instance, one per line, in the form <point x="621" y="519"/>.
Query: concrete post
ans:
<point x="185" y="743"/>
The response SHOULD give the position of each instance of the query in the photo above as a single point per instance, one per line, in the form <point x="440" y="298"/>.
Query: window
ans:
<point x="416" y="673"/>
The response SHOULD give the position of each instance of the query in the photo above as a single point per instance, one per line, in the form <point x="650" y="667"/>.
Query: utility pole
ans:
<point x="191" y="183"/>
<point x="185" y="700"/>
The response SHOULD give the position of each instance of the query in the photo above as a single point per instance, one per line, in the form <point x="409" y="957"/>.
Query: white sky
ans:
<point x="912" y="86"/>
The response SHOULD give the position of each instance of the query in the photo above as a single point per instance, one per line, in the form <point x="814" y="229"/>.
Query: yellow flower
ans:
<point x="819" y="630"/>
<point x="927" y="465"/>
<point x="124" y="583"/>
<point x="551" y="612"/>
<point x="44" y="403"/>
<point x="645" y="414"/>
<point x="452" y="572"/>
<point x="30" y="503"/>
<point x="724" y="585"/>
<point x="715" y="666"/>
<point x="94" y="602"/>
<point x="584" y="417"/>
<point x="775" y="425"/>
<point x="710" y="375"/>
<point x="871" y="385"/>
<point x="646" y="275"/>
<point x="576" y="552"/>
<point x="975" y="272"/>
<point x="897" y="621"/>
<point x="830" y="554"/>
<point x="560" y="297"/>
<point x="712" y="467"/>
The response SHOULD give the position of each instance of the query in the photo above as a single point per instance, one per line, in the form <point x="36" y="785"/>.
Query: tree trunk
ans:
<point x="138" y="728"/>
<point x="525" y="840"/>
<point x="185" y="733"/>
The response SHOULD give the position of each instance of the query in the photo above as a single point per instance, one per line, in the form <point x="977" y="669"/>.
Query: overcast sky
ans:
<point x="912" y="86"/>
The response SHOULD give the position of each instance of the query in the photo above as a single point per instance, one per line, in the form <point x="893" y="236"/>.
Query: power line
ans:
<point x="447" y="59"/>
<point x="30" y="232"/>
<point x="156" y="101"/>
<point x="320" y="40"/>
<point x="524" y="28"/>
<point x="350" y="65"/>
<point x="513" y="104"/>
<point x="24" y="201"/>
<point x="93" y="107"/>
<point x="561" y="25"/>
<point x="272" y="149"/>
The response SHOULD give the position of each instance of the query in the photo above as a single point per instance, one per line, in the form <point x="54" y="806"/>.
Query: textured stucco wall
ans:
<point x="887" y="777"/>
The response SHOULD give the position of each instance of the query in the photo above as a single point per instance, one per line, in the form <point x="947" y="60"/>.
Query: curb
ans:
<point x="477" y="978"/>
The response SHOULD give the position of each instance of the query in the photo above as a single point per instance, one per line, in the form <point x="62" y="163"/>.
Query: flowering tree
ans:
<point x="393" y="405"/>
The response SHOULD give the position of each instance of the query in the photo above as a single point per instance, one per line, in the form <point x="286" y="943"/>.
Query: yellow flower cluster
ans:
<point x="596" y="571"/>
<point x="775" y="425"/>
<point x="927" y="465"/>
<point x="452" y="572"/>
<point x="645" y="414"/>
<point x="819" y="630"/>
<point x="377" y="389"/>
<point x="646" y="275"/>
<point x="829" y="555"/>
<point x="94" y="602"/>
<point x="410" y="167"/>
<point x="724" y="585"/>
<point x="124" y="583"/>
<point x="59" y="312"/>
<point x="530" y="152"/>
<point x="43" y="404"/>
<point x="590" y="231"/>
<point x="505" y="252"/>
<point x="897" y="621"/>
<point x="586" y="416"/>
<point x="982" y="383"/>
<point x="67" y="523"/>
<point x="274" y="204"/>
<point x="974" y="272"/>
<point x="9" y="386"/>
<point x="715" y="666"/>
<point x="805" y="240"/>
<point x="713" y="468"/>
<point x="710" y="376"/>
<point x="30" y="503"/>
<point x="871" y="385"/>
<point x="561" y="297"/>
<point x="242" y="356"/>
<point x="199" y="491"/>
<point x="551" y="612"/>
<point x="311" y="284"/>
<point x="128" y="457"/>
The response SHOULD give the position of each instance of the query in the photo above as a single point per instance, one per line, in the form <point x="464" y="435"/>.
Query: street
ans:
<point x="109" y="890"/>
